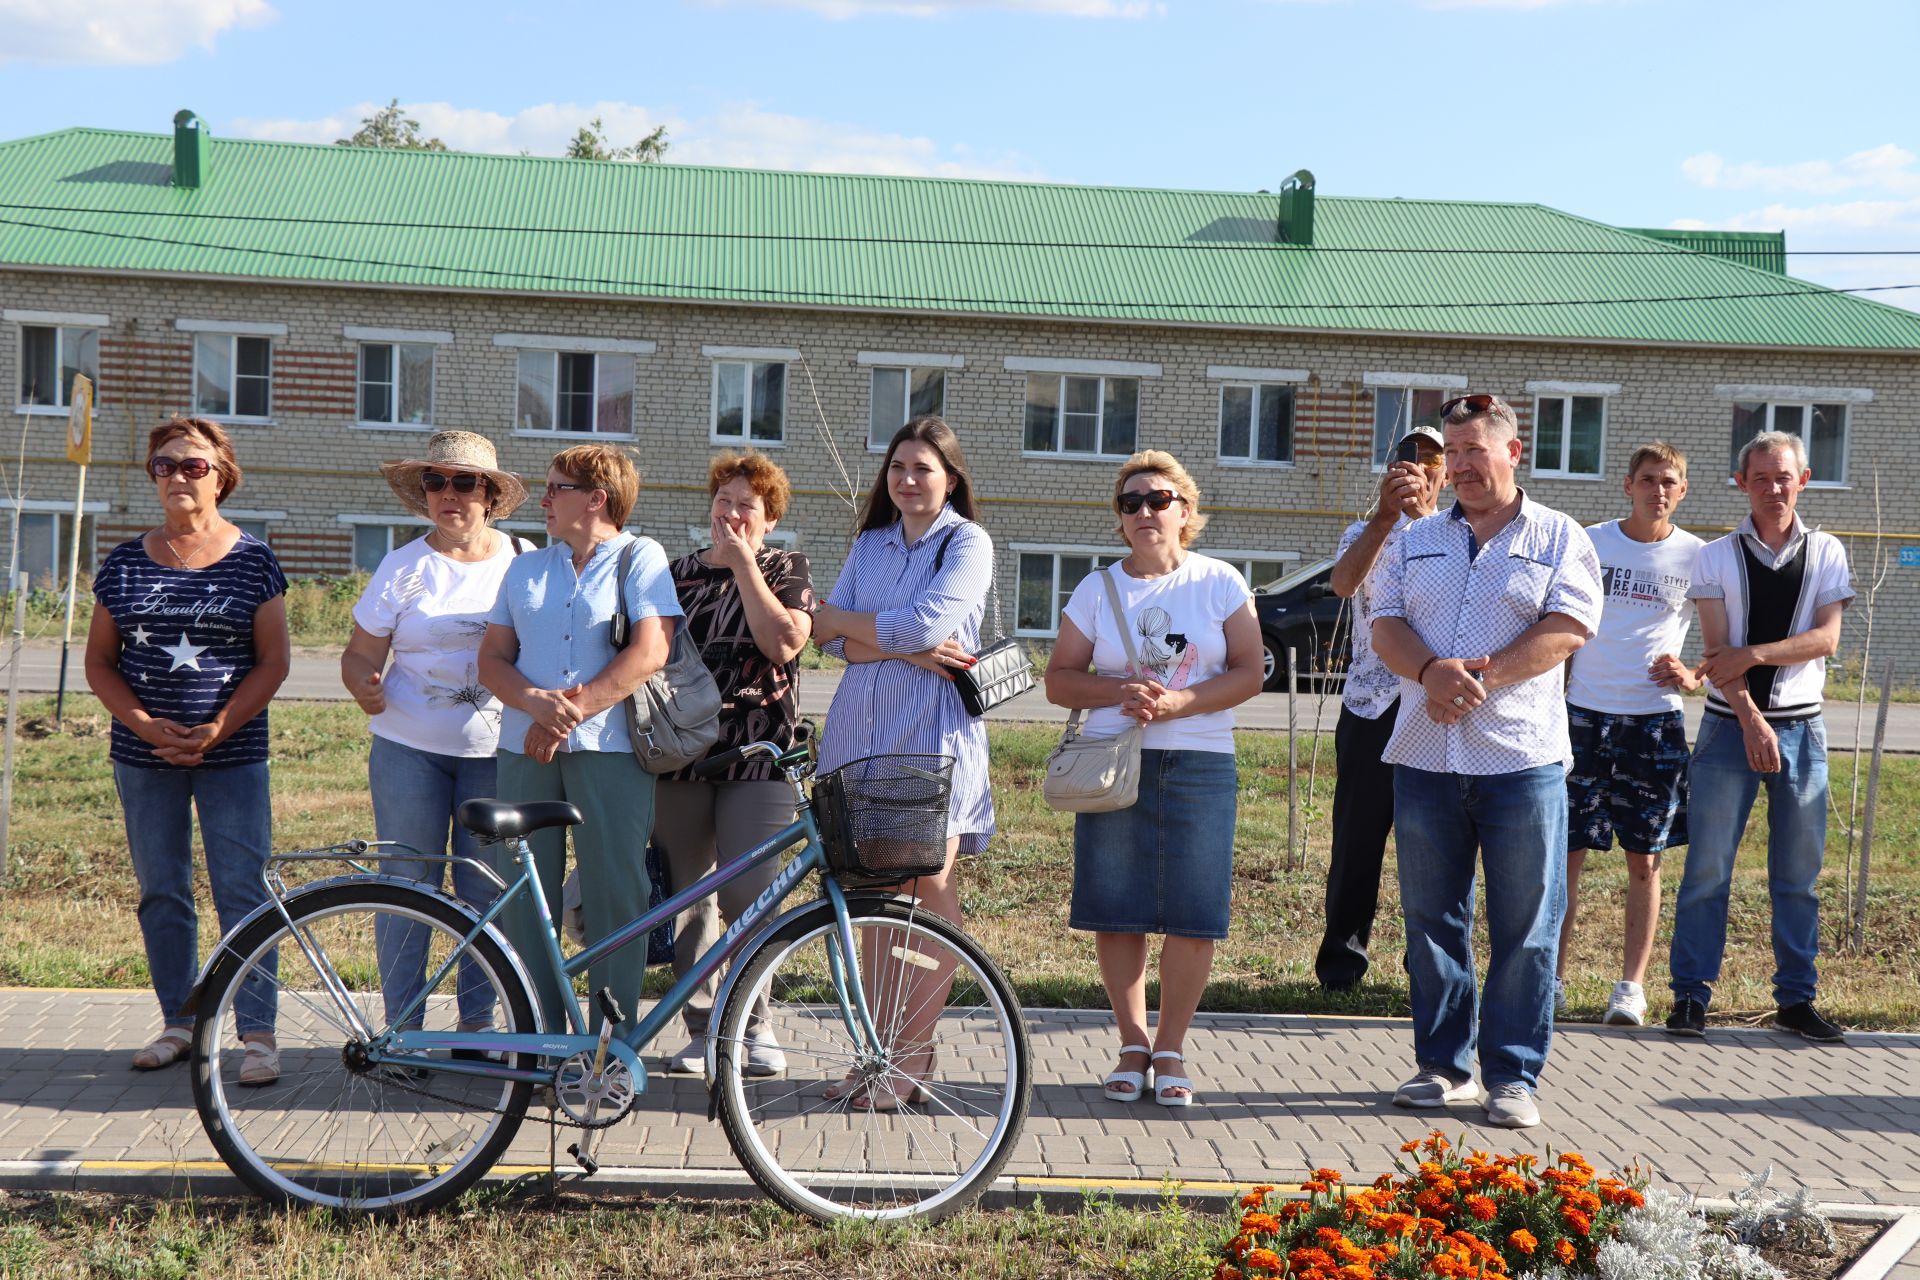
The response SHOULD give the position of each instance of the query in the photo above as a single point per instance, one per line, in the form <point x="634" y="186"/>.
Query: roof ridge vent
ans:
<point x="1296" y="209"/>
<point x="189" y="150"/>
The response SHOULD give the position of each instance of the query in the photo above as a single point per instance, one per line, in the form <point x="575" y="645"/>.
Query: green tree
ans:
<point x="392" y="128"/>
<point x="591" y="144"/>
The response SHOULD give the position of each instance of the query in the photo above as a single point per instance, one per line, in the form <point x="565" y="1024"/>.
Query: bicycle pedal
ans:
<point x="609" y="1007"/>
<point x="584" y="1160"/>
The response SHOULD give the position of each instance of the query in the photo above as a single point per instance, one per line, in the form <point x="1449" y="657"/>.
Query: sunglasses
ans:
<point x="1474" y="404"/>
<point x="554" y="490"/>
<point x="465" y="482"/>
<point x="1159" y="499"/>
<point x="191" y="468"/>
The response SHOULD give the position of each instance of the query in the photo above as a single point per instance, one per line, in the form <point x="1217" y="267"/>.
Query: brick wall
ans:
<point x="315" y="465"/>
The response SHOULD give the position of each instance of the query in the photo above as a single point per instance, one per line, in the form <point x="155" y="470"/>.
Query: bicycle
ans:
<point x="902" y="1095"/>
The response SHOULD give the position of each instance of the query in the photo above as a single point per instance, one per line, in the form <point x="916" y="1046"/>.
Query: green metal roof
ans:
<point x="102" y="200"/>
<point x="1764" y="249"/>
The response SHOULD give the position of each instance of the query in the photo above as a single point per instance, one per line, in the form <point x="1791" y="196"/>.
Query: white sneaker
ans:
<point x="1434" y="1089"/>
<point x="1627" y="1006"/>
<point x="1511" y="1106"/>
<point x="690" y="1061"/>
<point x="764" y="1057"/>
<point x="1559" y="997"/>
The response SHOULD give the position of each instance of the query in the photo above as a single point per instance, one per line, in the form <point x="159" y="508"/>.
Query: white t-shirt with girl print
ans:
<point x="433" y="610"/>
<point x="1178" y="625"/>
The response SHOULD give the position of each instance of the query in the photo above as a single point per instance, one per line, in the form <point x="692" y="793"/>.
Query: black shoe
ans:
<point x="1805" y="1021"/>
<point x="1689" y="1018"/>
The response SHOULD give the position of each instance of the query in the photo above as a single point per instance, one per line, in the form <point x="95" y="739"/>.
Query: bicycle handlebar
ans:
<point x="784" y="758"/>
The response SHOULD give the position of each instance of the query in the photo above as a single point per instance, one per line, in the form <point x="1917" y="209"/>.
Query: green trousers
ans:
<point x="615" y="796"/>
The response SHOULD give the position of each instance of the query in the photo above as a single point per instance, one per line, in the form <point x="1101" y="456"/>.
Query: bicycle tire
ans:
<point x="372" y="1139"/>
<point x="982" y="1070"/>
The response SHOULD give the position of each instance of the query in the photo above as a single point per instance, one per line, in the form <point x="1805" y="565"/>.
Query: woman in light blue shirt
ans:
<point x="548" y="656"/>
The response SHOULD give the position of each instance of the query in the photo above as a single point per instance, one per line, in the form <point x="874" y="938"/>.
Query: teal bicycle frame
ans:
<point x="409" y="1047"/>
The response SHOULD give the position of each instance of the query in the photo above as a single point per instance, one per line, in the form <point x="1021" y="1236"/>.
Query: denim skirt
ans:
<point x="1166" y="864"/>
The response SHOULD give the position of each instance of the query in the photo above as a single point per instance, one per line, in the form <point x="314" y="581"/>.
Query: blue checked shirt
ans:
<point x="1468" y="601"/>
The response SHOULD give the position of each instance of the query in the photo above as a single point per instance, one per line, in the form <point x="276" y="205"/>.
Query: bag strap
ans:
<point x="993" y="584"/>
<point x="1126" y="642"/>
<point x="618" y="631"/>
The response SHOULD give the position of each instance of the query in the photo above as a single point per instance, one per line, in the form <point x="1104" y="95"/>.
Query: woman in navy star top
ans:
<point x="187" y="647"/>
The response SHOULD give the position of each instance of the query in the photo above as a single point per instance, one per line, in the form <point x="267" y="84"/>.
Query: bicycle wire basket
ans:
<point x="883" y="819"/>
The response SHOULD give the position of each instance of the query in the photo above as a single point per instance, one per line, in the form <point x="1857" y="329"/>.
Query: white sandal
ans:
<point x="1161" y="1083"/>
<point x="1125" y="1086"/>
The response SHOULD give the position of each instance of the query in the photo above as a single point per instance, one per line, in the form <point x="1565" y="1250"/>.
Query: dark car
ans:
<point x="1301" y="611"/>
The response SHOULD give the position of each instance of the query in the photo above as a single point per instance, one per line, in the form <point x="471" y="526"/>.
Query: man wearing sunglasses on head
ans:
<point x="1476" y="609"/>
<point x="1363" y="791"/>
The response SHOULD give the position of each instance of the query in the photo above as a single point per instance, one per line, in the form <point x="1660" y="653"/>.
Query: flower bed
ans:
<point x="1475" y="1216"/>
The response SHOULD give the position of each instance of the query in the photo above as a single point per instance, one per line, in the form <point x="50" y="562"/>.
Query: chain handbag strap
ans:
<point x="993" y="588"/>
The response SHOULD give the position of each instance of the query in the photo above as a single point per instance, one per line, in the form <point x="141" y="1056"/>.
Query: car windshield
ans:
<point x="1304" y="574"/>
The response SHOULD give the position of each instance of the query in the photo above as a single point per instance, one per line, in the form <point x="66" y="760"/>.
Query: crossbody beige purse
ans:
<point x="1097" y="775"/>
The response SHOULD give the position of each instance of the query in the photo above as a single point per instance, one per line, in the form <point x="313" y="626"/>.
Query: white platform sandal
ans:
<point x="1161" y="1083"/>
<point x="1125" y="1086"/>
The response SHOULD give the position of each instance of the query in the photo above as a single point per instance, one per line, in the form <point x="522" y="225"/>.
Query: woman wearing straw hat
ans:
<point x="435" y="727"/>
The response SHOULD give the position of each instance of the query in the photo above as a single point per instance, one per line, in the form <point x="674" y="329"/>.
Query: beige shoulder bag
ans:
<point x="1097" y="775"/>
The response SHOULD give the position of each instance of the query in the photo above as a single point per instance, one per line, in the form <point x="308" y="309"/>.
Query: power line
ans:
<point x="822" y="295"/>
<point x="772" y="237"/>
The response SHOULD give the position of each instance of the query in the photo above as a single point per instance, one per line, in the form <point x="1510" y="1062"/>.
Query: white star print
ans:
<point x="184" y="654"/>
<point x="225" y="676"/>
<point x="141" y="635"/>
<point x="211" y="588"/>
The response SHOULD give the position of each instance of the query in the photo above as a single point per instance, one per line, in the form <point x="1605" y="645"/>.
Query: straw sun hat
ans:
<point x="455" y="451"/>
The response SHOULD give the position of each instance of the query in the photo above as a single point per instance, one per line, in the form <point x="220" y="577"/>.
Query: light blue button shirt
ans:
<point x="562" y="621"/>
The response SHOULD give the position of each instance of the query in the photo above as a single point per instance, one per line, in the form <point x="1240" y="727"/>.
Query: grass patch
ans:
<point x="319" y="611"/>
<point x="67" y="915"/>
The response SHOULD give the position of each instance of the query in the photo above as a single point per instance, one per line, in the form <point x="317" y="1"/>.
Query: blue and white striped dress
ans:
<point x="891" y="707"/>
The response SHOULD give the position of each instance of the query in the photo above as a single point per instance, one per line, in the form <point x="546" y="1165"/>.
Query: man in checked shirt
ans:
<point x="1475" y="610"/>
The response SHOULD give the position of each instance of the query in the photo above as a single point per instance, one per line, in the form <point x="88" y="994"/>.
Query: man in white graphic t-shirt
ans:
<point x="1629" y="737"/>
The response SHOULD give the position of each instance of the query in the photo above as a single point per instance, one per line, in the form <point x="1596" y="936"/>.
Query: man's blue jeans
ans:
<point x="236" y="827"/>
<point x="415" y="795"/>
<point x="1517" y="823"/>
<point x="1723" y="790"/>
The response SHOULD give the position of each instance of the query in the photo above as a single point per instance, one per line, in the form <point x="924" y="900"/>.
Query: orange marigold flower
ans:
<point x="1292" y="1209"/>
<point x="1263" y="1260"/>
<point x="1355" y="1272"/>
<point x="1227" y="1271"/>
<point x="1330" y="1236"/>
<point x="1579" y="1221"/>
<point x="1302" y="1259"/>
<point x="1314" y="1186"/>
<point x="1630" y="1198"/>
<point x="1253" y="1199"/>
<point x="1410" y="1147"/>
<point x="1523" y="1241"/>
<point x="1263" y="1223"/>
<point x="1564" y="1250"/>
<point x="1431" y="1227"/>
<point x="1482" y="1208"/>
<point x="1327" y="1175"/>
<point x="1434" y="1204"/>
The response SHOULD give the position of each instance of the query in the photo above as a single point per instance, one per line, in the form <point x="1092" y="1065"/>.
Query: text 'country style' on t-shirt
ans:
<point x="186" y="641"/>
<point x="1178" y="626"/>
<point x="1644" y="613"/>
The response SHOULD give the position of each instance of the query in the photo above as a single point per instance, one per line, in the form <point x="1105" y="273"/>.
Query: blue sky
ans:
<point x="1758" y="115"/>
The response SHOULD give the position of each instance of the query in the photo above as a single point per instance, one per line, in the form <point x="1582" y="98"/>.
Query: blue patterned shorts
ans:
<point x="1629" y="779"/>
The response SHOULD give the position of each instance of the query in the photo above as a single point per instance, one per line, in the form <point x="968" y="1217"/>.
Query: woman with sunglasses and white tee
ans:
<point x="1183" y="650"/>
<point x="435" y="727"/>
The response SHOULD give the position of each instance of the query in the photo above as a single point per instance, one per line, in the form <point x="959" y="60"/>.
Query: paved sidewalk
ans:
<point x="1280" y="1094"/>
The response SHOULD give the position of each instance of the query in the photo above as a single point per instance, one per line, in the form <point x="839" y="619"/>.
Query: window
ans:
<point x="1398" y="410"/>
<point x="1046" y="582"/>
<point x="901" y="395"/>
<point x="1569" y="435"/>
<point x="371" y="542"/>
<point x="1256" y="422"/>
<point x="1821" y="427"/>
<point x="1097" y="417"/>
<point x="258" y="528"/>
<point x="1259" y="571"/>
<point x="396" y="383"/>
<point x="50" y="356"/>
<point x="45" y="547"/>
<point x="749" y="402"/>
<point x="584" y="392"/>
<point x="232" y="375"/>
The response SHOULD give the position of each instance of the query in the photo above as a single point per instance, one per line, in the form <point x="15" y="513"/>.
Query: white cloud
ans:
<point x="741" y="135"/>
<point x="119" y="32"/>
<point x="843" y="9"/>
<point x="1888" y="168"/>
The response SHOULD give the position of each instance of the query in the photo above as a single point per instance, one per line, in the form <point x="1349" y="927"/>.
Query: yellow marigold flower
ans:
<point x="1523" y="1241"/>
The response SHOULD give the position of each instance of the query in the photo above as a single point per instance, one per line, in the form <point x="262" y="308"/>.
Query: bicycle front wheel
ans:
<point x="333" y="1130"/>
<point x="915" y="1130"/>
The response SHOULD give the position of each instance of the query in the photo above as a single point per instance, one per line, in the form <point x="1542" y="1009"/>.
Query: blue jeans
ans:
<point x="415" y="794"/>
<point x="1724" y="787"/>
<point x="1518" y="824"/>
<point x="236" y="827"/>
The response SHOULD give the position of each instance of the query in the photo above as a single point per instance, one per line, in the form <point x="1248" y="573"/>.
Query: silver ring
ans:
<point x="1459" y="699"/>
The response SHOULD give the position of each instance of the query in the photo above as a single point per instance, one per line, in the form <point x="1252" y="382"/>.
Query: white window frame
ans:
<point x="1054" y="550"/>
<point x="556" y="433"/>
<point x="701" y="535"/>
<point x="60" y="322"/>
<point x="389" y="521"/>
<point x="747" y="357"/>
<point x="1390" y="381"/>
<point x="1099" y="453"/>
<point x="1805" y="397"/>
<point x="393" y="356"/>
<point x="1243" y="559"/>
<point x="233" y="385"/>
<point x="1561" y="470"/>
<point x="1259" y="389"/>
<point x="61" y="512"/>
<point x="363" y="335"/>
<point x="906" y="396"/>
<point x="1806" y="407"/>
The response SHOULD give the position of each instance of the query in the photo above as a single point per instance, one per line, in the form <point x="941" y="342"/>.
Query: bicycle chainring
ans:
<point x="591" y="1103"/>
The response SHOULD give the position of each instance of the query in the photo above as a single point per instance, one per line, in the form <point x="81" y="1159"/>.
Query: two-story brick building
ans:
<point x="333" y="305"/>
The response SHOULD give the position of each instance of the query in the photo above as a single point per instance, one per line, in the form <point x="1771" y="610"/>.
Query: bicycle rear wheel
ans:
<point x="917" y="1131"/>
<point x="335" y="1131"/>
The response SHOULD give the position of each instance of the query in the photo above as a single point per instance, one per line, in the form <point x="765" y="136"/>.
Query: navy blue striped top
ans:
<point x="186" y="641"/>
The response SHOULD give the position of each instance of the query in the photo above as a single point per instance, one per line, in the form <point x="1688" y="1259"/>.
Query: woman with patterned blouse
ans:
<point x="186" y="649"/>
<point x="749" y="609"/>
